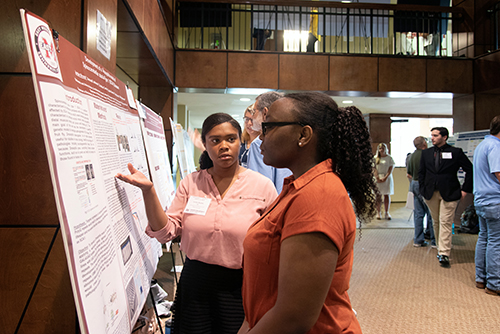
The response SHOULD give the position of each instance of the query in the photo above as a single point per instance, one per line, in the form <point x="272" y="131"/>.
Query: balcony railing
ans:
<point x="333" y="28"/>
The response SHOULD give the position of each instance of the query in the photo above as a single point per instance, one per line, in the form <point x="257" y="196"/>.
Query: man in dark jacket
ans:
<point x="440" y="187"/>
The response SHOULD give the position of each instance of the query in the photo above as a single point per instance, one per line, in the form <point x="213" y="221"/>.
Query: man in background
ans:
<point x="439" y="185"/>
<point x="420" y="209"/>
<point x="487" y="204"/>
<point x="255" y="160"/>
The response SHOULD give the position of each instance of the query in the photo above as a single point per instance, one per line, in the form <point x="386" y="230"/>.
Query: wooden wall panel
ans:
<point x="402" y="74"/>
<point x="22" y="251"/>
<point x="53" y="297"/>
<point x="157" y="34"/>
<point x="109" y="10"/>
<point x="353" y="73"/>
<point x="486" y="107"/>
<point x="380" y="129"/>
<point x="201" y="69"/>
<point x="303" y="72"/>
<point x="63" y="16"/>
<point x="26" y="196"/>
<point x="148" y="15"/>
<point x="450" y="75"/>
<point x="486" y="70"/>
<point x="252" y="70"/>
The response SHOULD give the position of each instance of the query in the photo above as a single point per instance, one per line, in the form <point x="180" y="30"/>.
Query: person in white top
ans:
<point x="384" y="165"/>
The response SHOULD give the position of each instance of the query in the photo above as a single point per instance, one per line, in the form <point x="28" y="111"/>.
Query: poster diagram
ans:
<point x="91" y="133"/>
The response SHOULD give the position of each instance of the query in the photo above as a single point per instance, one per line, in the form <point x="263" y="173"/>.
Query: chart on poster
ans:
<point x="91" y="131"/>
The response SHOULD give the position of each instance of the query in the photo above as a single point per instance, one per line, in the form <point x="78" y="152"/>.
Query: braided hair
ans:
<point x="343" y="137"/>
<point x="208" y="124"/>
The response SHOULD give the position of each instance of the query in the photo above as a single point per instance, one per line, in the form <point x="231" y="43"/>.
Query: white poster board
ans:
<point x="183" y="149"/>
<point x="468" y="142"/>
<point x="156" y="148"/>
<point x="90" y="135"/>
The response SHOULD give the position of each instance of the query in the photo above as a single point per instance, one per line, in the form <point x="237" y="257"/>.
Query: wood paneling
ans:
<point x="486" y="108"/>
<point x="303" y="72"/>
<point x="380" y="129"/>
<point x="252" y="70"/>
<point x="53" y="297"/>
<point x="26" y="196"/>
<point x="450" y="75"/>
<point x="201" y="69"/>
<point x="148" y="15"/>
<point x="353" y="73"/>
<point x="486" y="70"/>
<point x="109" y="10"/>
<point x="63" y="16"/>
<point x="402" y="74"/>
<point x="22" y="251"/>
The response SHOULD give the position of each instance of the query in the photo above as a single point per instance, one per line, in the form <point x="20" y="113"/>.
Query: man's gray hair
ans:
<point x="265" y="100"/>
<point x="419" y="142"/>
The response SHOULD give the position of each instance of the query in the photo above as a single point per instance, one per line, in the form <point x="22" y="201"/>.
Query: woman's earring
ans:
<point x="300" y="143"/>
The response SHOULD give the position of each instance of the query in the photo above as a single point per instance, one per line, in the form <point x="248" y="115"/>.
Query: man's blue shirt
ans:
<point x="486" y="164"/>
<point x="256" y="163"/>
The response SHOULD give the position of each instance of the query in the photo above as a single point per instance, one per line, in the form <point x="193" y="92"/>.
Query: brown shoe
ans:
<point x="492" y="292"/>
<point x="480" y="285"/>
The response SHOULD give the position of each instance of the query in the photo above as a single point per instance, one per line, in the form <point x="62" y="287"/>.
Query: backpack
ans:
<point x="469" y="221"/>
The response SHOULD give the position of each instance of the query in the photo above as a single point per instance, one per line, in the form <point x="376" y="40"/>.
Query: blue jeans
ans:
<point x="420" y="209"/>
<point x="488" y="246"/>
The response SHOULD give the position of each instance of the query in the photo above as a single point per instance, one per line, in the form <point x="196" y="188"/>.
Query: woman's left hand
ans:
<point x="136" y="178"/>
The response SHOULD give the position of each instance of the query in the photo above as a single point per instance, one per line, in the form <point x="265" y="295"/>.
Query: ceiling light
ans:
<point x="347" y="101"/>
<point x="346" y="1"/>
<point x="244" y="99"/>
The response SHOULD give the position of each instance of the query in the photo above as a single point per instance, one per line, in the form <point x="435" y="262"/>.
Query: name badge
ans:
<point x="197" y="205"/>
<point x="446" y="155"/>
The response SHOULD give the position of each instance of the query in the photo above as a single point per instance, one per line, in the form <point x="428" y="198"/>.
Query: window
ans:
<point x="404" y="130"/>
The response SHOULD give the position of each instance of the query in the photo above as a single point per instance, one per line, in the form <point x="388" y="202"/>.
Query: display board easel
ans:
<point x="91" y="131"/>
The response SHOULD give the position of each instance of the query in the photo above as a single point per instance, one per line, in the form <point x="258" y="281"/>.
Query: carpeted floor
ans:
<point x="397" y="288"/>
<point x="400" y="289"/>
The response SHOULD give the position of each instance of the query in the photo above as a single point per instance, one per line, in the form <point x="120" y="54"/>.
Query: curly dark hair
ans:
<point x="343" y="137"/>
<point x="208" y="124"/>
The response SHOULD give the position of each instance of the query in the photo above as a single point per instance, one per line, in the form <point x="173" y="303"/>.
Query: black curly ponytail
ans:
<point x="342" y="136"/>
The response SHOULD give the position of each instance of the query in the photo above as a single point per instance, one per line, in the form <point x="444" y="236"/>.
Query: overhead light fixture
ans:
<point x="346" y="1"/>
<point x="244" y="99"/>
<point x="347" y="101"/>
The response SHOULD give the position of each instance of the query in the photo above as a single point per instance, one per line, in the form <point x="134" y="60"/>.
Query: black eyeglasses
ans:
<point x="267" y="125"/>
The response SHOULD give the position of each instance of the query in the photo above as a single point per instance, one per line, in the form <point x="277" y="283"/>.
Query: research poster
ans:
<point x="468" y="142"/>
<point x="91" y="132"/>
<point x="156" y="148"/>
<point x="183" y="148"/>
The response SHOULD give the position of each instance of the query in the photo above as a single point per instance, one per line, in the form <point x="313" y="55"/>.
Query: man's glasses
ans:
<point x="268" y="125"/>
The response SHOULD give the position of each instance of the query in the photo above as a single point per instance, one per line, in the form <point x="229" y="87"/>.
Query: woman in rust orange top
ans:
<point x="298" y="256"/>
